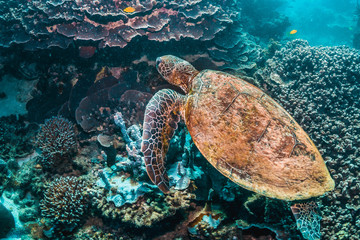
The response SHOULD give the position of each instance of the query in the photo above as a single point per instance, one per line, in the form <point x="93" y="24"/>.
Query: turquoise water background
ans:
<point x="322" y="22"/>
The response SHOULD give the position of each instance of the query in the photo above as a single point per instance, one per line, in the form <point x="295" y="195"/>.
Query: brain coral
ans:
<point x="41" y="24"/>
<point x="320" y="87"/>
<point x="64" y="201"/>
<point x="56" y="138"/>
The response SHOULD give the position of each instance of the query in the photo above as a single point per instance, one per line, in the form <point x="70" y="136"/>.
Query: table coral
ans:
<point x="43" y="24"/>
<point x="237" y="48"/>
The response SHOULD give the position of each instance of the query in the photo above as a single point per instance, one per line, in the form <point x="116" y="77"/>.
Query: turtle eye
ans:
<point x="158" y="61"/>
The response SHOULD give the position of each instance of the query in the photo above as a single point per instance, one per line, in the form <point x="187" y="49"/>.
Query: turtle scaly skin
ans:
<point x="161" y="118"/>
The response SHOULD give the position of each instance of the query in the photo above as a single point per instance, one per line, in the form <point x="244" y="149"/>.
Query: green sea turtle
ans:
<point x="239" y="129"/>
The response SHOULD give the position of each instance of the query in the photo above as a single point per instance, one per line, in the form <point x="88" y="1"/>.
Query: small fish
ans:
<point x="129" y="10"/>
<point x="293" y="31"/>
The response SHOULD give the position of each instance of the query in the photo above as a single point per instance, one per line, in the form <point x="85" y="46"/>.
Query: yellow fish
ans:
<point x="293" y="31"/>
<point x="129" y="10"/>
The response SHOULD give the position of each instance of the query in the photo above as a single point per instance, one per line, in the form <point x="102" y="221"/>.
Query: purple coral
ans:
<point x="56" y="138"/>
<point x="64" y="201"/>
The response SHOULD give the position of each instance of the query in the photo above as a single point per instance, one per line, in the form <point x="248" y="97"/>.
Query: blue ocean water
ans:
<point x="328" y="23"/>
<point x="180" y="119"/>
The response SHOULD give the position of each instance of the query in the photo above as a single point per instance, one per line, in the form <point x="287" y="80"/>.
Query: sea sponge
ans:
<point x="56" y="138"/>
<point x="65" y="201"/>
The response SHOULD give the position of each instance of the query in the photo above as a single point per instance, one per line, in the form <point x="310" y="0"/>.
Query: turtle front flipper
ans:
<point x="307" y="219"/>
<point x="160" y="122"/>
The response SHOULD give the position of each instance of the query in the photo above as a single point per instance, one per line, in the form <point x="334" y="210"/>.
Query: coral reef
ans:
<point x="320" y="86"/>
<point x="15" y="137"/>
<point x="65" y="201"/>
<point x="56" y="139"/>
<point x="5" y="175"/>
<point x="104" y="98"/>
<point x="95" y="66"/>
<point x="30" y="179"/>
<point x="121" y="188"/>
<point x="206" y="222"/>
<point x="133" y="164"/>
<point x="181" y="177"/>
<point x="237" y="48"/>
<point x="60" y="23"/>
<point x="146" y="211"/>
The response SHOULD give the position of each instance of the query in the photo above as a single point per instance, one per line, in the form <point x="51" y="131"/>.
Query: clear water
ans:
<point x="249" y="130"/>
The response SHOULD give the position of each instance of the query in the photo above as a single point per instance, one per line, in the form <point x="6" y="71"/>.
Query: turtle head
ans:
<point x="176" y="71"/>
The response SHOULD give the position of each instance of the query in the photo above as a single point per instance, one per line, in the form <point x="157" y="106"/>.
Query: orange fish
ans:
<point x="293" y="31"/>
<point x="129" y="10"/>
